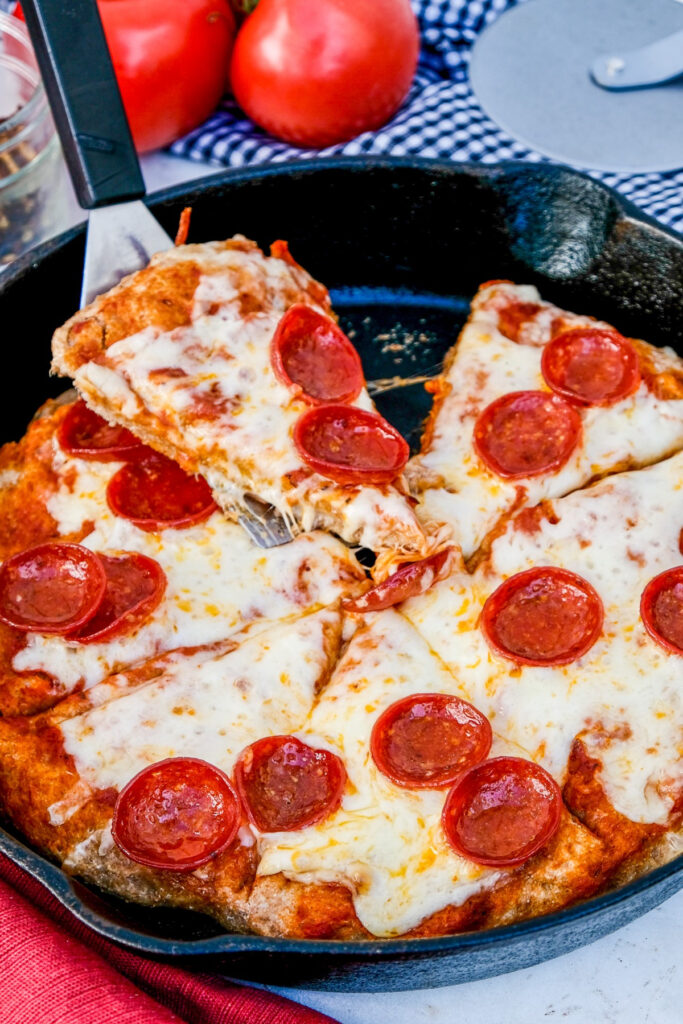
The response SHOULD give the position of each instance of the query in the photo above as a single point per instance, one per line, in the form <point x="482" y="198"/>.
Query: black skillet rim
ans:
<point x="58" y="884"/>
<point x="57" y="881"/>
<point x="199" y="186"/>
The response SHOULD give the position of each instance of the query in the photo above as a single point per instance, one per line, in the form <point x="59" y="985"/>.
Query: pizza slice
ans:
<point x="422" y="843"/>
<point x="535" y="402"/>
<point x="113" y="555"/>
<point x="230" y="363"/>
<point x="128" y="784"/>
<point x="569" y="637"/>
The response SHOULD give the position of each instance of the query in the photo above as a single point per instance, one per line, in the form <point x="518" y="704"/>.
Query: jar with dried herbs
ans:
<point x="34" y="193"/>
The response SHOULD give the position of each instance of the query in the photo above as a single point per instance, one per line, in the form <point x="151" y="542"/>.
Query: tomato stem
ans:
<point x="243" y="8"/>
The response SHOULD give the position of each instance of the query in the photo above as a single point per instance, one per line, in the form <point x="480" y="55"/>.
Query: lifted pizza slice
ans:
<point x="230" y="363"/>
<point x="100" y="573"/>
<point x="535" y="402"/>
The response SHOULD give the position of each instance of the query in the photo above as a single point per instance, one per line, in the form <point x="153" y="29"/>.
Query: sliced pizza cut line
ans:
<point x="534" y="403"/>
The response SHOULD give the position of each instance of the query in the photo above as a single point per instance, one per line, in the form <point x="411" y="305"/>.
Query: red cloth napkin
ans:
<point x="55" y="970"/>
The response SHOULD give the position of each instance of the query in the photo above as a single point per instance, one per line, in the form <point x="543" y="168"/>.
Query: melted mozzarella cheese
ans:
<point x="209" y="704"/>
<point x="624" y="696"/>
<point x="458" y="487"/>
<point x="385" y="843"/>
<point x="222" y="403"/>
<point x="218" y="581"/>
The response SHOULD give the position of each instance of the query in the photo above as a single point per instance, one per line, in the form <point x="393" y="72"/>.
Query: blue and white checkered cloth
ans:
<point x="441" y="118"/>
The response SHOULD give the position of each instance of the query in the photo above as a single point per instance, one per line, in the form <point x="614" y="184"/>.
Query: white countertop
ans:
<point x="634" y="976"/>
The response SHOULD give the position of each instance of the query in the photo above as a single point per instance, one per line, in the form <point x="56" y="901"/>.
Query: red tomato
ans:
<point x="316" y="72"/>
<point x="170" y="58"/>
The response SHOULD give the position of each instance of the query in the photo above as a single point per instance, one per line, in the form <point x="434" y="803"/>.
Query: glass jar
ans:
<point x="35" y="195"/>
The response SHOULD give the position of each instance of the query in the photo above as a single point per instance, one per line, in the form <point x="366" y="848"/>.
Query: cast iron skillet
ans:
<point x="402" y="244"/>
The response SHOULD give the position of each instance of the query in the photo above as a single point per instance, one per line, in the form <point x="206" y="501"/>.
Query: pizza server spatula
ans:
<point x="79" y="79"/>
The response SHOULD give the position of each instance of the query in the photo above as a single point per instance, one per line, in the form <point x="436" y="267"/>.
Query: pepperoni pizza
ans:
<point x="272" y="738"/>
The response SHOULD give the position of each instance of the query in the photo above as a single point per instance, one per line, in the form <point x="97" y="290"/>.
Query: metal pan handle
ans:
<point x="79" y="79"/>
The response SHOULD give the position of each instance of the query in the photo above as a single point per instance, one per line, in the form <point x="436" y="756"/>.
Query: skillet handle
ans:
<point x="79" y="79"/>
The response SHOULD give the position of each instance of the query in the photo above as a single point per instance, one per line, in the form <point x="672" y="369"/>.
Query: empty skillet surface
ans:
<point x="402" y="245"/>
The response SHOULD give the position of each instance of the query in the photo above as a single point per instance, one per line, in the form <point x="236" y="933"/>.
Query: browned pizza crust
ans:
<point x="568" y="869"/>
<point x="585" y="796"/>
<point x="162" y="296"/>
<point x="577" y="863"/>
<point x="27" y="481"/>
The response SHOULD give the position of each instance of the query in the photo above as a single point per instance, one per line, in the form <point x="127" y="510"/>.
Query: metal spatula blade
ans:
<point x="79" y="78"/>
<point x="263" y="523"/>
<point x="123" y="235"/>
<point x="121" y="238"/>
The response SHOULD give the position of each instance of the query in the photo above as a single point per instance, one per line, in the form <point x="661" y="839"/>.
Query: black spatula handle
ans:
<point x="79" y="79"/>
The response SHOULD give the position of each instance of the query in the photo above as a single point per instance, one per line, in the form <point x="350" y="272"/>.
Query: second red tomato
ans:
<point x="317" y="72"/>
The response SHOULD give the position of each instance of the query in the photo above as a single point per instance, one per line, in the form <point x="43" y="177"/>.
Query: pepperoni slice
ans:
<point x="310" y="352"/>
<point x="502" y="811"/>
<point x="155" y="493"/>
<point x="411" y="579"/>
<point x="426" y="740"/>
<point x="350" y="445"/>
<point x="286" y="785"/>
<point x="135" y="586"/>
<point x="176" y="814"/>
<point x="661" y="609"/>
<point x="543" y="616"/>
<point x="526" y="433"/>
<point x="591" y="366"/>
<point x="51" y="588"/>
<point x="85" y="434"/>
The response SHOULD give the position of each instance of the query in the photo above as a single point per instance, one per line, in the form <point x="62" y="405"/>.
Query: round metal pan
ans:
<point x="402" y="245"/>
